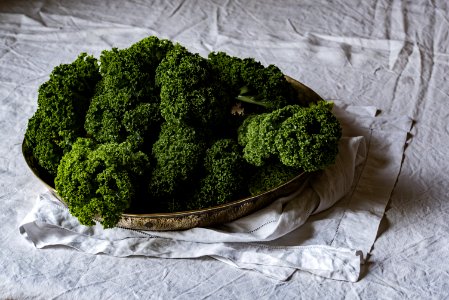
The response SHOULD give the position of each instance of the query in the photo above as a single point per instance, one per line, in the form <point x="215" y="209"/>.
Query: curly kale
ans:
<point x="309" y="139"/>
<point x="190" y="91"/>
<point x="265" y="86"/>
<point x="178" y="154"/>
<point x="62" y="104"/>
<point x="155" y="121"/>
<point x="228" y="69"/>
<point x="259" y="88"/>
<point x="99" y="180"/>
<point x="299" y="137"/>
<point x="258" y="133"/>
<point x="224" y="178"/>
<point x="142" y="124"/>
<point x="133" y="69"/>
<point x="271" y="176"/>
<point x="126" y="101"/>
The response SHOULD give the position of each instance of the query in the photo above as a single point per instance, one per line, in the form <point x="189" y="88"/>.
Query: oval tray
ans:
<point x="203" y="217"/>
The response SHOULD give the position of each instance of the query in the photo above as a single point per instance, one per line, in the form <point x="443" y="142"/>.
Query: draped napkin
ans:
<point x="327" y="227"/>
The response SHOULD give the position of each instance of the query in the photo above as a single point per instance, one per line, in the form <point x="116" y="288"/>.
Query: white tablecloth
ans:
<point x="392" y="55"/>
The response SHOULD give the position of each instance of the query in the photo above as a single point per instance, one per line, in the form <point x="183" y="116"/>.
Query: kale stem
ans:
<point x="250" y="99"/>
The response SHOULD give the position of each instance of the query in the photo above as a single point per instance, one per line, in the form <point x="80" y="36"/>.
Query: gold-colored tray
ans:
<point x="203" y="217"/>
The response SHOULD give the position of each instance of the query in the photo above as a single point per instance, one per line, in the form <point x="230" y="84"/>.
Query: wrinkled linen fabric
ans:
<point x="262" y="241"/>
<point x="392" y="55"/>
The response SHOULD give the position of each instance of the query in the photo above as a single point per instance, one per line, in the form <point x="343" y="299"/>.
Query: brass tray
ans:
<point x="203" y="217"/>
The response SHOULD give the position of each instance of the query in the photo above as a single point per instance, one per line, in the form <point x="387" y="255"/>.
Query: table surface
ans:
<point x="390" y="54"/>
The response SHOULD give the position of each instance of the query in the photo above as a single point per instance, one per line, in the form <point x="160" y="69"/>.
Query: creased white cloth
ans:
<point x="282" y="237"/>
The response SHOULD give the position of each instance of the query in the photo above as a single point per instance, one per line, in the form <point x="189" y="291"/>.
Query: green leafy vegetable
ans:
<point x="126" y="101"/>
<point x="157" y="128"/>
<point x="225" y="171"/>
<point x="259" y="88"/>
<point x="190" y="90"/>
<point x="270" y="176"/>
<point x="99" y="181"/>
<point x="309" y="139"/>
<point x="258" y="134"/>
<point x="62" y="104"/>
<point x="299" y="137"/>
<point x="178" y="154"/>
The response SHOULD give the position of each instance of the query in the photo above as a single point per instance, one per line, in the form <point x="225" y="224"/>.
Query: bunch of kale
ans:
<point x="153" y="128"/>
